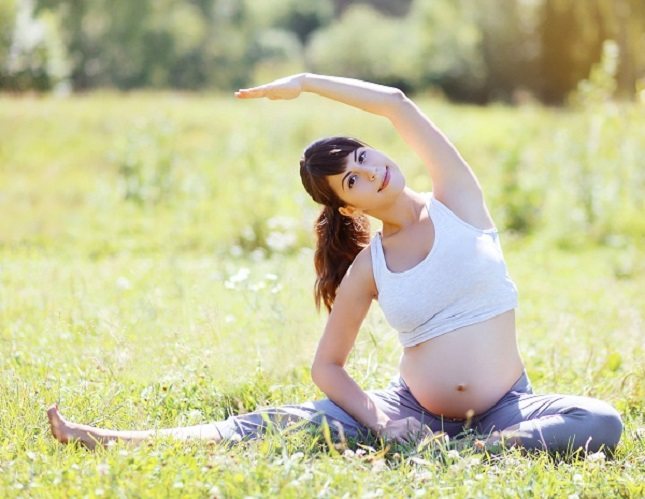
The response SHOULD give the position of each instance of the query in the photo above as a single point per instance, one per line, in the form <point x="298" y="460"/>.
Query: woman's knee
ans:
<point x="603" y="422"/>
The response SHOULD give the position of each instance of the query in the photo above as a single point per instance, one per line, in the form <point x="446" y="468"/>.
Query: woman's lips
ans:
<point x="386" y="178"/>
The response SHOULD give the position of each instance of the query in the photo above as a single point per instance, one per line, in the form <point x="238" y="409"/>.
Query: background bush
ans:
<point x="472" y="50"/>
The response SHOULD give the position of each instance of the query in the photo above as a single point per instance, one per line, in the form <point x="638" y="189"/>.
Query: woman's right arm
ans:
<point x="353" y="299"/>
<point x="453" y="181"/>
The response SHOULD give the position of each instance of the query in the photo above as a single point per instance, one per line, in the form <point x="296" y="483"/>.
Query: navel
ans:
<point x="461" y="387"/>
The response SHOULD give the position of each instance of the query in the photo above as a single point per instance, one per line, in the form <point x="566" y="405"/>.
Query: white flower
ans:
<point x="596" y="457"/>
<point x="281" y="241"/>
<point x="240" y="275"/>
<point x="257" y="286"/>
<point x="248" y="233"/>
<point x="123" y="283"/>
<point x="284" y="223"/>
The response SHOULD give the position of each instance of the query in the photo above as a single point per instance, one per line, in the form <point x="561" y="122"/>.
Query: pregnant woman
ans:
<point x="437" y="270"/>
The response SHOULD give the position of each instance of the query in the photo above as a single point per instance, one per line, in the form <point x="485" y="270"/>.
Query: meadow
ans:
<point x="156" y="270"/>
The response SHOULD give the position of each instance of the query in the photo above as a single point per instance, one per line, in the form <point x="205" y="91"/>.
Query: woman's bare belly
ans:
<point x="464" y="372"/>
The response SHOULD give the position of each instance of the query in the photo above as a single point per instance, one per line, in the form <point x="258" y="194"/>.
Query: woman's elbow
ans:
<point x="320" y="374"/>
<point x="315" y="373"/>
<point x="397" y="101"/>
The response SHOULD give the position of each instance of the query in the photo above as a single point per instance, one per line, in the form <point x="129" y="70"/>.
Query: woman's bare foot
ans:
<point x="66" y="432"/>
<point x="91" y="436"/>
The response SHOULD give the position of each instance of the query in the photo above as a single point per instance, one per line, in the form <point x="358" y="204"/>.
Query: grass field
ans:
<point x="155" y="270"/>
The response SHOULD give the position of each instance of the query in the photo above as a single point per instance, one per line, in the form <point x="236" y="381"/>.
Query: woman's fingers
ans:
<point x="250" y="93"/>
<point x="284" y="88"/>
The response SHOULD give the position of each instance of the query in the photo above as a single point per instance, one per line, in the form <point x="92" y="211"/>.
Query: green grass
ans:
<point x="126" y="223"/>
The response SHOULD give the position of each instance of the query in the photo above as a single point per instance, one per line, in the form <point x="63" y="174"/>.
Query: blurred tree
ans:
<point x="81" y="46"/>
<point x="7" y="22"/>
<point x="570" y="43"/>
<point x="474" y="50"/>
<point x="277" y="52"/>
<point x="450" y="47"/>
<point x="366" y="44"/>
<point x="624" y="22"/>
<point x="33" y="54"/>
<point x="398" y="8"/>
<point x="303" y="17"/>
<point x="510" y="48"/>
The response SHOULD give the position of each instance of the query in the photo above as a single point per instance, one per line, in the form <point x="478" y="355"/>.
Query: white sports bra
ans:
<point x="462" y="281"/>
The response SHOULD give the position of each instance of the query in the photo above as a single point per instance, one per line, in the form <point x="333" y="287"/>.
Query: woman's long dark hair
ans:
<point x="339" y="237"/>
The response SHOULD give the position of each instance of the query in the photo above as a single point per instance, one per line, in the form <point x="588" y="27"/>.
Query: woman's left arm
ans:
<point x="454" y="183"/>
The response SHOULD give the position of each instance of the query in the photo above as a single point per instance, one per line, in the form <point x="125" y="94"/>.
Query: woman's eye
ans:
<point x="361" y="157"/>
<point x="351" y="181"/>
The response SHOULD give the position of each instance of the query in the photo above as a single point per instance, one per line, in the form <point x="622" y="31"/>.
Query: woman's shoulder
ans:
<point x="470" y="210"/>
<point x="360" y="271"/>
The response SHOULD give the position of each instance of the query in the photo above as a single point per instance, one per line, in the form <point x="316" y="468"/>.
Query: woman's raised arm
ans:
<point x="454" y="183"/>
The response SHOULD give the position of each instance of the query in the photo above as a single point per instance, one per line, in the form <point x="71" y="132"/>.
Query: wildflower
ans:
<point x="258" y="254"/>
<point x="123" y="283"/>
<point x="281" y="241"/>
<point x="103" y="468"/>
<point x="257" y="286"/>
<point x="240" y="275"/>
<point x="596" y="457"/>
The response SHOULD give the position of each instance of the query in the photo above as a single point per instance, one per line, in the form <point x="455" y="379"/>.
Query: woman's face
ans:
<point x="370" y="181"/>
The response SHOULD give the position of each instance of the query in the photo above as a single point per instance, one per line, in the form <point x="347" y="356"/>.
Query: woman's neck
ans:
<point x="404" y="211"/>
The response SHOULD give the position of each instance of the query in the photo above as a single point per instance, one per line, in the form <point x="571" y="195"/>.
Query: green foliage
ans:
<point x="7" y="22"/>
<point x="32" y="53"/>
<point x="366" y="44"/>
<point x="600" y="86"/>
<point x="473" y="50"/>
<point x="176" y="310"/>
<point x="450" y="39"/>
<point x="521" y="205"/>
<point x="304" y="17"/>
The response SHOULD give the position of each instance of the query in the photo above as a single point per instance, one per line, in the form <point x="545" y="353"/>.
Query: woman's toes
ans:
<point x="57" y="424"/>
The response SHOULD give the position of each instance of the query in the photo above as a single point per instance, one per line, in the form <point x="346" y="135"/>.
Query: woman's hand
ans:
<point x="404" y="430"/>
<point x="289" y="87"/>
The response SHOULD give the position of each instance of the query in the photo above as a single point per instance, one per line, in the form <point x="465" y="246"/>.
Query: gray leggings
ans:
<point x="557" y="423"/>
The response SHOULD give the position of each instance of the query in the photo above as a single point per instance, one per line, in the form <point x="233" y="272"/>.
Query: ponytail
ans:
<point x="339" y="239"/>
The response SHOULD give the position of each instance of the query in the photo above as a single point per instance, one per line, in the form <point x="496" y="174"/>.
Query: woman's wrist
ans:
<point x="305" y="80"/>
<point x="379" y="427"/>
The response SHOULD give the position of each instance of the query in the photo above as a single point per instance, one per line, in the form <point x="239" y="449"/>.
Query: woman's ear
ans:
<point x="350" y="211"/>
